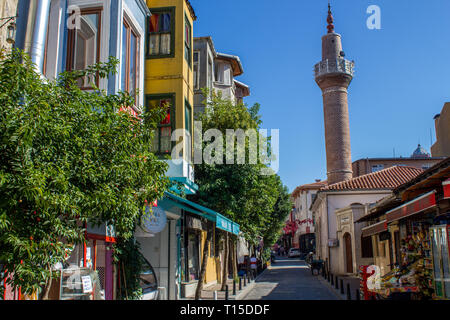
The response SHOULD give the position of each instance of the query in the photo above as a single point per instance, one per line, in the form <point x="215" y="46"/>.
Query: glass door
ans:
<point x="445" y="261"/>
<point x="440" y="261"/>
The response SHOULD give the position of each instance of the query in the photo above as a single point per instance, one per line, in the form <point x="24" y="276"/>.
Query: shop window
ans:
<point x="162" y="143"/>
<point x="193" y="256"/>
<point x="130" y="60"/>
<point x="366" y="247"/>
<point x="161" y="36"/>
<point x="84" y="45"/>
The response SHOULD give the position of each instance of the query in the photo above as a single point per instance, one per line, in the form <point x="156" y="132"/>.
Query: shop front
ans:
<point x="175" y="252"/>
<point x="89" y="272"/>
<point x="418" y="250"/>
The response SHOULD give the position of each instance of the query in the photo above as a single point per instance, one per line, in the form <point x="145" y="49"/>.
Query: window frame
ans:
<point x="130" y="30"/>
<point x="172" y="124"/>
<point x="172" y="11"/>
<point x="71" y="43"/>
<point x="190" y="49"/>
<point x="194" y="72"/>
<point x="187" y="105"/>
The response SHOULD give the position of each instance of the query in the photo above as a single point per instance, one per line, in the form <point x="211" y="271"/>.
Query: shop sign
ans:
<point x="236" y="228"/>
<point x="446" y="185"/>
<point x="374" y="228"/>
<point x="345" y="220"/>
<point x="417" y="205"/>
<point x="154" y="220"/>
<point x="224" y="224"/>
<point x="87" y="284"/>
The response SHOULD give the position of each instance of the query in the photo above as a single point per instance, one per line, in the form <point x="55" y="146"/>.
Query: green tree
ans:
<point x="67" y="157"/>
<point x="281" y="210"/>
<point x="238" y="191"/>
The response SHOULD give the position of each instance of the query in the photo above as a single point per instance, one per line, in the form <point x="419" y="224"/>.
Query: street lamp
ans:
<point x="11" y="33"/>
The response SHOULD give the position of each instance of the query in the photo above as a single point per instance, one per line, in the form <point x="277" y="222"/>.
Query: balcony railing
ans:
<point x="330" y="66"/>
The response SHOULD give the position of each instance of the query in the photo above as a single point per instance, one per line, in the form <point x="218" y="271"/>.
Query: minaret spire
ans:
<point x="333" y="74"/>
<point x="330" y="20"/>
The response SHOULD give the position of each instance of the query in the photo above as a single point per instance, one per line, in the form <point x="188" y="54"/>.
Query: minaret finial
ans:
<point x="330" y="20"/>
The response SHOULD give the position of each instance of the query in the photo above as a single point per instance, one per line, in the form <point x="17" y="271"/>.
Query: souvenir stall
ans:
<point x="411" y="276"/>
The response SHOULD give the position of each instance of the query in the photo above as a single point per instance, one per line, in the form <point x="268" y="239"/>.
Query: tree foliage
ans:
<point x="239" y="191"/>
<point x="67" y="157"/>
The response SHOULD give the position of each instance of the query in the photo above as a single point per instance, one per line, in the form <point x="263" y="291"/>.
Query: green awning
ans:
<point x="221" y="222"/>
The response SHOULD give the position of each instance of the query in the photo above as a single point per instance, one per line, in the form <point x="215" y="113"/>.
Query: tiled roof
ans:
<point x="389" y="178"/>
<point x="314" y="186"/>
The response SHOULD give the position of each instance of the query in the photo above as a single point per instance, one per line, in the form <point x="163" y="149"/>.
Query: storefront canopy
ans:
<point x="422" y="203"/>
<point x="374" y="229"/>
<point x="221" y="222"/>
<point x="446" y="186"/>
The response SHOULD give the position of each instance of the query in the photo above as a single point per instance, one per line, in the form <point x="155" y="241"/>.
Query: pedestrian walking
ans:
<point x="253" y="265"/>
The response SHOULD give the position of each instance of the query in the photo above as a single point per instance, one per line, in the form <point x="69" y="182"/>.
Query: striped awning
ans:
<point x="446" y="186"/>
<point x="412" y="207"/>
<point x="374" y="229"/>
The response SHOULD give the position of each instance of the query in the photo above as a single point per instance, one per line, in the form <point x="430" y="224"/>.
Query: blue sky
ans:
<point x="401" y="82"/>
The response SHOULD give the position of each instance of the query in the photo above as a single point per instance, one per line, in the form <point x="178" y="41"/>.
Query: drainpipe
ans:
<point x="34" y="33"/>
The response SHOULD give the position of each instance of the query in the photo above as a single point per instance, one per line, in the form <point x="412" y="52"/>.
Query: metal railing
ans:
<point x="329" y="66"/>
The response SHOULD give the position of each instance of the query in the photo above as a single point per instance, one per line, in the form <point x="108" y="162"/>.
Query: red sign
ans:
<point x="374" y="229"/>
<point x="446" y="185"/>
<point x="417" y="205"/>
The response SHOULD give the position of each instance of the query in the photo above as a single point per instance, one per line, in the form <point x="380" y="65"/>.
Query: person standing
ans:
<point x="253" y="265"/>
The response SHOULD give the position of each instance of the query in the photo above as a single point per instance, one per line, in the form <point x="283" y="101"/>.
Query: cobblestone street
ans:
<point x="290" y="279"/>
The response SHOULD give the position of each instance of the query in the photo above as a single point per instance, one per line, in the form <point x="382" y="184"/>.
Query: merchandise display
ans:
<point x="414" y="274"/>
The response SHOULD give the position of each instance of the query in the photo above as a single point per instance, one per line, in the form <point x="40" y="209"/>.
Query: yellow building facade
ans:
<point x="169" y="69"/>
<point x="169" y="81"/>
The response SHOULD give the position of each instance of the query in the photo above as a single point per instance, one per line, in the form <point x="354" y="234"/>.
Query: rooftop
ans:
<point x="311" y="186"/>
<point x="235" y="62"/>
<point x="389" y="178"/>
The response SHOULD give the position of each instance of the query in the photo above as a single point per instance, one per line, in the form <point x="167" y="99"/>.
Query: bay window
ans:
<point x="162" y="143"/>
<point x="161" y="37"/>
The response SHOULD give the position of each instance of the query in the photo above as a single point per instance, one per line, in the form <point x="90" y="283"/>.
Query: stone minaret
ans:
<point x="333" y="75"/>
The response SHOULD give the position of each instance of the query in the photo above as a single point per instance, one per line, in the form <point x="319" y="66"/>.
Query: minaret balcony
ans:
<point x="334" y="66"/>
